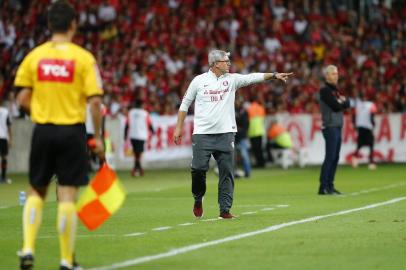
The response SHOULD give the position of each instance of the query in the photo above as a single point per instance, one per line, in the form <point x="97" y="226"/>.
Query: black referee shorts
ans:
<point x="58" y="150"/>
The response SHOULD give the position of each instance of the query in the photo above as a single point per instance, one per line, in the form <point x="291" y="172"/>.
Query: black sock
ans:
<point x="3" y="168"/>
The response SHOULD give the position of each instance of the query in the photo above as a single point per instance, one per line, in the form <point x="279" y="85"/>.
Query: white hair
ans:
<point x="329" y="69"/>
<point x="216" y="55"/>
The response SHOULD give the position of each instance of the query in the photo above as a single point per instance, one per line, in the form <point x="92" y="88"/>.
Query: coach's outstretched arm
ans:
<point x="277" y="76"/>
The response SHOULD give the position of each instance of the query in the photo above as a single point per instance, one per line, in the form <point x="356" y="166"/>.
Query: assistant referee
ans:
<point x="55" y="80"/>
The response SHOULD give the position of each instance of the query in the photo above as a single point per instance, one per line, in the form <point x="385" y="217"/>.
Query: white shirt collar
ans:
<point x="211" y="73"/>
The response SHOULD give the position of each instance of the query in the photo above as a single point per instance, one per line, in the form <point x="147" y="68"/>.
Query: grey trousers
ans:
<point x="221" y="147"/>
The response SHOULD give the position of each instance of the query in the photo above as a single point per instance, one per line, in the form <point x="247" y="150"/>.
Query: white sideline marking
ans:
<point x="78" y="236"/>
<point x="210" y="219"/>
<point x="95" y="235"/>
<point x="4" y="207"/>
<point x="249" y="213"/>
<point x="134" y="234"/>
<point x="282" y="205"/>
<point x="162" y="228"/>
<point x="252" y="205"/>
<point x="267" y="209"/>
<point x="364" y="191"/>
<point x="189" y="248"/>
<point x="186" y="224"/>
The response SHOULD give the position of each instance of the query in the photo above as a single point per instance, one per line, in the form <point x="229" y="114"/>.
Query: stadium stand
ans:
<point x="151" y="50"/>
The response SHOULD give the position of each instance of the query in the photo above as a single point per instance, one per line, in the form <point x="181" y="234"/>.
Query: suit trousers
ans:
<point x="332" y="137"/>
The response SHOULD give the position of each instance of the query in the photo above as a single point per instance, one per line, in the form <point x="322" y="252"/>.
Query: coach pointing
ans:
<point x="215" y="126"/>
<point x="332" y="105"/>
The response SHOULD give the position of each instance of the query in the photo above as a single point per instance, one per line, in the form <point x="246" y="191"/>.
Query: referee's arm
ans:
<point x="95" y="103"/>
<point x="24" y="98"/>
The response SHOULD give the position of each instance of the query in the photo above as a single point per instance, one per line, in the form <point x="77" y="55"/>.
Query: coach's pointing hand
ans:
<point x="283" y="76"/>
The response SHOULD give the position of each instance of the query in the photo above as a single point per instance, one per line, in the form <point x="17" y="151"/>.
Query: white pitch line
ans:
<point x="134" y="234"/>
<point x="249" y="213"/>
<point x="210" y="219"/>
<point x="267" y="209"/>
<point x="282" y="205"/>
<point x="186" y="224"/>
<point x="4" y="207"/>
<point x="78" y="236"/>
<point x="365" y="191"/>
<point x="185" y="249"/>
<point x="252" y="205"/>
<point x="162" y="228"/>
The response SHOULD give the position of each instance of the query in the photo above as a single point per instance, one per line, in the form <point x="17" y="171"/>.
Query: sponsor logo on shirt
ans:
<point x="56" y="70"/>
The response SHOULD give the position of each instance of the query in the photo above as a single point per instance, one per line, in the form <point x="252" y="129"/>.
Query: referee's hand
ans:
<point x="98" y="148"/>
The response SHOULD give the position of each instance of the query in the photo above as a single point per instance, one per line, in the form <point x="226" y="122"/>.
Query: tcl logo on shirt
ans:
<point x="56" y="70"/>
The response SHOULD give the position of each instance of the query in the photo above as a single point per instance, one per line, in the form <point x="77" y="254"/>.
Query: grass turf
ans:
<point x="369" y="239"/>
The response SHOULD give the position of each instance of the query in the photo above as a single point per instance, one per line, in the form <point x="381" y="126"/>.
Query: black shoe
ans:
<point x="335" y="191"/>
<point x="26" y="262"/>
<point x="76" y="266"/>
<point x="324" y="191"/>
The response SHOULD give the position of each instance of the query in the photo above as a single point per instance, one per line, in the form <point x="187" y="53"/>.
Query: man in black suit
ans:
<point x="332" y="105"/>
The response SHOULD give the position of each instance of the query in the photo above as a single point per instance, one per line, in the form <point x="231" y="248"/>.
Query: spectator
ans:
<point x="174" y="44"/>
<point x="277" y="138"/>
<point x="106" y="12"/>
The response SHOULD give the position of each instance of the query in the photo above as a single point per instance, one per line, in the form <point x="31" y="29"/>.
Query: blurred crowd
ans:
<point x="151" y="50"/>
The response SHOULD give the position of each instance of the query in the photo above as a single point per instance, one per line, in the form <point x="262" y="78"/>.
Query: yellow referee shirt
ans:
<point x="61" y="76"/>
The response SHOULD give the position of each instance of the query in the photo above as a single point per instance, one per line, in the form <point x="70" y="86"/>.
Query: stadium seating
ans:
<point x="152" y="49"/>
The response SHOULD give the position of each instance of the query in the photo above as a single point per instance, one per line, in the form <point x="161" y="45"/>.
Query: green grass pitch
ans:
<point x="155" y="228"/>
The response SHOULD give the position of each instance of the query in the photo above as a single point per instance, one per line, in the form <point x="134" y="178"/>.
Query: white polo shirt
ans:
<point x="214" y="100"/>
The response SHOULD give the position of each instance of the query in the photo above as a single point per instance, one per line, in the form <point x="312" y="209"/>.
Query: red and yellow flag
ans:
<point x="101" y="198"/>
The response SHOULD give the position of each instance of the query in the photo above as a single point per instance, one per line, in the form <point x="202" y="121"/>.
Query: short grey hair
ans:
<point x="329" y="69"/>
<point x="217" y="55"/>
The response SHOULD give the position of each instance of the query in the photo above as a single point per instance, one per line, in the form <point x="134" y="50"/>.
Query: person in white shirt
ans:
<point x="139" y="126"/>
<point x="215" y="125"/>
<point x="5" y="142"/>
<point x="364" y="122"/>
